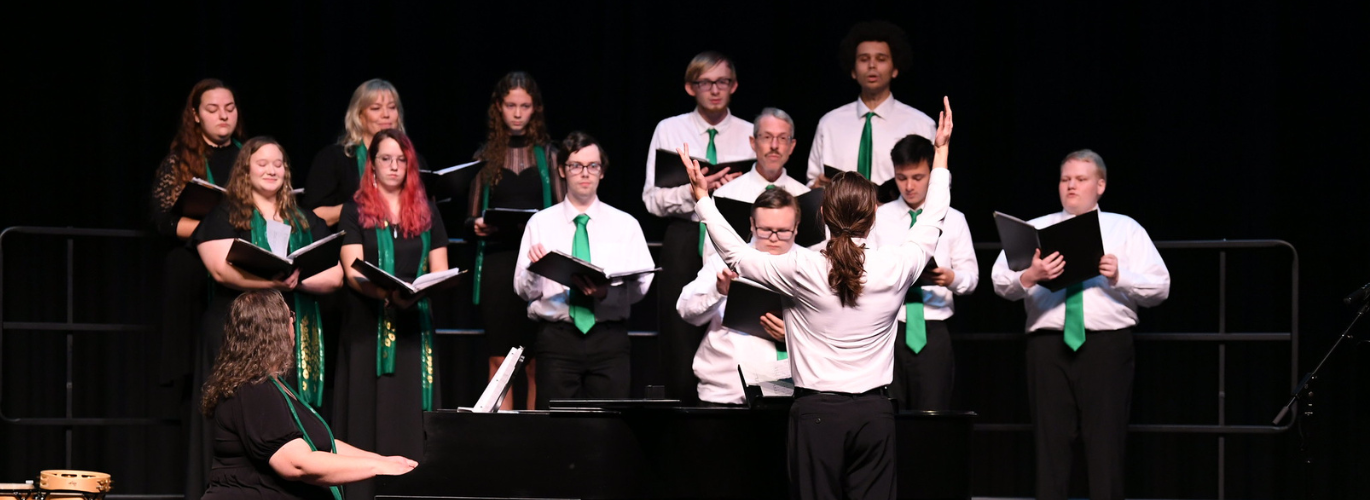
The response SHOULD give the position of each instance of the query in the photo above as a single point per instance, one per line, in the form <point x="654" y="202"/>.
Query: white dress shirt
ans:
<point x="730" y="144"/>
<point x="616" y="244"/>
<point x="1142" y="279"/>
<point x="723" y="348"/>
<point x="955" y="250"/>
<point x="839" y="136"/>
<point x="832" y="347"/>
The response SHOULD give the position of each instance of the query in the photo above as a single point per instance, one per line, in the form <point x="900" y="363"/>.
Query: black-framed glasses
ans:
<point x="721" y="83"/>
<point x="763" y="233"/>
<point x="575" y="168"/>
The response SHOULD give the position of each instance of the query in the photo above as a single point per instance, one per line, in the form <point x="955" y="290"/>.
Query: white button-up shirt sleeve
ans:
<point x="699" y="301"/>
<point x="730" y="143"/>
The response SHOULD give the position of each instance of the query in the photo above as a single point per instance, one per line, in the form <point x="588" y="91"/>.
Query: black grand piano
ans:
<point x="652" y="450"/>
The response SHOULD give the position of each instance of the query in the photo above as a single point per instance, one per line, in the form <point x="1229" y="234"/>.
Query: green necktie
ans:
<point x="770" y="187"/>
<point x="582" y="306"/>
<point x="863" y="155"/>
<point x="1075" y="316"/>
<point x="711" y="154"/>
<point x="915" y="327"/>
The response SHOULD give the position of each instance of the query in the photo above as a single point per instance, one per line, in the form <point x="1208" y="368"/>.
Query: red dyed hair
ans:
<point x="414" y="217"/>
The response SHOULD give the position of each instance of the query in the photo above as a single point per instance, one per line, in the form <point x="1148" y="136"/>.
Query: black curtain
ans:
<point x="1218" y="121"/>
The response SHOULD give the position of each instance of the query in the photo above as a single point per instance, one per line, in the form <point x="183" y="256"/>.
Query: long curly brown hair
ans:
<point x="497" y="138"/>
<point x="849" y="204"/>
<point x="188" y="146"/>
<point x="239" y="197"/>
<point x="259" y="342"/>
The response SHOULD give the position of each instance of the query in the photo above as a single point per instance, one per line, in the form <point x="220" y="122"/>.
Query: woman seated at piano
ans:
<point x="268" y="442"/>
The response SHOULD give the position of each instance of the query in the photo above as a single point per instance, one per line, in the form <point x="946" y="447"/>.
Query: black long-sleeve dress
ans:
<point x="382" y="413"/>
<point x="184" y="282"/>
<point x="334" y="176"/>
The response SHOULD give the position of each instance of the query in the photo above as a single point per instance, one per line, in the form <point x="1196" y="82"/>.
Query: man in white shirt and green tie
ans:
<point x="924" y="364"/>
<point x="1079" y="345"/>
<point x="582" y="342"/>
<point x="855" y="136"/>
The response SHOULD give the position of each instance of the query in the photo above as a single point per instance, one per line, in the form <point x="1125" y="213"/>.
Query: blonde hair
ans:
<point x="366" y="94"/>
<point x="704" y="62"/>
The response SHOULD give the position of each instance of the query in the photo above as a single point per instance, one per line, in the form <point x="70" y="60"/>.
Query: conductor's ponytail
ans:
<point x="849" y="204"/>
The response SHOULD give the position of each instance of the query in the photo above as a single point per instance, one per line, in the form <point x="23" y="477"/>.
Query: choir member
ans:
<point x="924" y="364"/>
<point x="582" y="343"/>
<point x="849" y="137"/>
<point x="259" y="207"/>
<point x="386" y="377"/>
<point x="1080" y="357"/>
<point x="711" y="129"/>
<point x="519" y="172"/>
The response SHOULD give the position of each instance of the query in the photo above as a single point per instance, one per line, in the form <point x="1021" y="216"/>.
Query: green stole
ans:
<point x="385" y="317"/>
<point x="209" y="174"/>
<point x="288" y="395"/>
<point x="308" y="331"/>
<point x="546" y="175"/>
<point x="360" y="153"/>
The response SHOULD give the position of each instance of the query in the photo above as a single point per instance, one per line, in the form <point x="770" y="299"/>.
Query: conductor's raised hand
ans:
<point x="699" y="183"/>
<point x="536" y="252"/>
<point x="943" y="125"/>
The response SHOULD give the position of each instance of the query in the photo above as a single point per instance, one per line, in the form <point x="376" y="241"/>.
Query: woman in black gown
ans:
<point x="259" y="207"/>
<point x="518" y="173"/>
<point x="268" y="443"/>
<point x="386" y="376"/>
<point x="204" y="147"/>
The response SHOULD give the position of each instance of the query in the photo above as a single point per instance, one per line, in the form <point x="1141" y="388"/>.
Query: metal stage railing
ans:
<point x="1221" y="336"/>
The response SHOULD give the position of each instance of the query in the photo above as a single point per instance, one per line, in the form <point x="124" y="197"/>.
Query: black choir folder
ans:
<point x="885" y="193"/>
<point x="748" y="301"/>
<point x="1078" y="239"/>
<point x="560" y="267"/>
<point x="313" y="259"/>
<point x="197" y="198"/>
<point x="671" y="173"/>
<point x="508" y="220"/>
<point x="452" y="182"/>
<point x="431" y="282"/>
<point x="811" y="231"/>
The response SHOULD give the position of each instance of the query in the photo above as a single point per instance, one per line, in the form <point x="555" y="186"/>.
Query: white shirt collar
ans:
<point x="702" y="127"/>
<point x="569" y="211"/>
<point x="882" y="111"/>
<point x="1067" y="215"/>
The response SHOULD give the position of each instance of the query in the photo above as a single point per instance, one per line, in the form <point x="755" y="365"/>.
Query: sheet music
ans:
<point x="773" y="378"/>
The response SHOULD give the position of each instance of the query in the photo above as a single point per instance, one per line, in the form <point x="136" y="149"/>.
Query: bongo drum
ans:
<point x="73" y="484"/>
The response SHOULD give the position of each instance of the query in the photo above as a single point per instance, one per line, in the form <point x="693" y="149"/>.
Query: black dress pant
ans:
<point x="678" y="339"/>
<point x="1086" y="394"/>
<point x="924" y="381"/>
<point x="573" y="365"/>
<point x="841" y="446"/>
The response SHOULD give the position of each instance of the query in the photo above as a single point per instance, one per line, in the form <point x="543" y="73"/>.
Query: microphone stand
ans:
<point x="1304" y="393"/>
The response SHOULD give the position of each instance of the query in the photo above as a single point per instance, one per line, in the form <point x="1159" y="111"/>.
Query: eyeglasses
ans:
<point x="779" y="234"/>
<point x="768" y="138"/>
<point x="575" y="168"/>
<point x="721" y="83"/>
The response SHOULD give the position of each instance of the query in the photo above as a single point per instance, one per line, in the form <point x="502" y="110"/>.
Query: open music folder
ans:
<point x="560" y="267"/>
<point x="1078" y="239"/>
<point x="428" y="283"/>
<point x="671" y="173"/>
<point x="312" y="259"/>
<point x="197" y="198"/>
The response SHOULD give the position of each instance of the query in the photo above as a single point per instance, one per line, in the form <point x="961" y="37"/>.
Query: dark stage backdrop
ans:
<point x="1218" y="121"/>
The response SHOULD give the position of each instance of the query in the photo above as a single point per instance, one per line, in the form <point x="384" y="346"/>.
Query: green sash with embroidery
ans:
<point x="546" y="175"/>
<point x="308" y="331"/>
<point x="385" y="317"/>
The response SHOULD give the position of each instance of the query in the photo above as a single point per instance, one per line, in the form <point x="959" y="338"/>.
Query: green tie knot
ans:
<point x="581" y="220"/>
<point x="913" y="216"/>
<point x="770" y="187"/>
